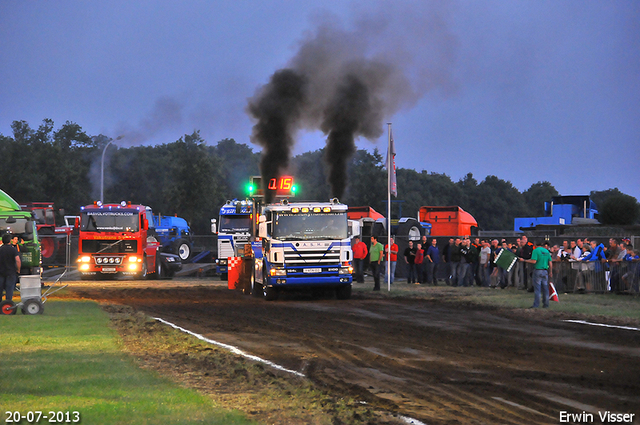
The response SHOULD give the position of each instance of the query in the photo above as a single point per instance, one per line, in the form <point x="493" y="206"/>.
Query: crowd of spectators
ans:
<point x="580" y="265"/>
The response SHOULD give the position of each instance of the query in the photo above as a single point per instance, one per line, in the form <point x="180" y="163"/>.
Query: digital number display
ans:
<point x="283" y="186"/>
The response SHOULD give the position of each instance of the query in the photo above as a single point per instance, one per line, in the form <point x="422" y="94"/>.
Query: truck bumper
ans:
<point x="309" y="282"/>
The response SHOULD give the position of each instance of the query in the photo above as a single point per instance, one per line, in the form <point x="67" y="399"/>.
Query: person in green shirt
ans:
<point x="541" y="258"/>
<point x="375" y="257"/>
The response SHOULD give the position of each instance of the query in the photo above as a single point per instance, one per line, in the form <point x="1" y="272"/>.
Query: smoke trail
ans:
<point x="167" y="114"/>
<point x="344" y="118"/>
<point x="277" y="108"/>
<point x="353" y="80"/>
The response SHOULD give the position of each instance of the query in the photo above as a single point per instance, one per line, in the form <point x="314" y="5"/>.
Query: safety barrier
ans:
<point x="597" y="276"/>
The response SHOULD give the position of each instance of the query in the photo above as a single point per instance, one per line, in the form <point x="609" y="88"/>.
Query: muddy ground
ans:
<point x="435" y="361"/>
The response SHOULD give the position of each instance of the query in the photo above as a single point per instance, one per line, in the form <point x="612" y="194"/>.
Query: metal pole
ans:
<point x="102" y="168"/>
<point x="389" y="165"/>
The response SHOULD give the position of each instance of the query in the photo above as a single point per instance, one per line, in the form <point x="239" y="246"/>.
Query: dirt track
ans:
<point x="434" y="361"/>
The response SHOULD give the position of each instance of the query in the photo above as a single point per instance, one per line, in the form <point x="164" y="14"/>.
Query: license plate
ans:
<point x="108" y="270"/>
<point x="315" y="270"/>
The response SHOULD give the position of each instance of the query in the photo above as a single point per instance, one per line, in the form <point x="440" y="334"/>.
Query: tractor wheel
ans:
<point x="48" y="244"/>
<point x="409" y="230"/>
<point x="182" y="249"/>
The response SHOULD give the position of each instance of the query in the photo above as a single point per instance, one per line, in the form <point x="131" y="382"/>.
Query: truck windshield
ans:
<point x="18" y="226"/>
<point x="309" y="226"/>
<point x="235" y="223"/>
<point x="110" y="221"/>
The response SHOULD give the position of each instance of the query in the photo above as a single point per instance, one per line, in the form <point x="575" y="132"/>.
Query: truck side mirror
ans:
<point x="214" y="228"/>
<point x="145" y="223"/>
<point x="262" y="229"/>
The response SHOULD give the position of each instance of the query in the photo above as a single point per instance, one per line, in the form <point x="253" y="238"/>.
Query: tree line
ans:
<point x="192" y="179"/>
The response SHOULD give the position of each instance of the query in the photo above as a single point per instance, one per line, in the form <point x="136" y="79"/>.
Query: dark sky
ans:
<point x="524" y="90"/>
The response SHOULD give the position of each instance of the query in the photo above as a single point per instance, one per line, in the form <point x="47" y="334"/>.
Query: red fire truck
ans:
<point x="120" y="240"/>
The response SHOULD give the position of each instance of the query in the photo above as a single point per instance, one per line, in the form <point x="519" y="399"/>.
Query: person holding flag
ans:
<point x="541" y="258"/>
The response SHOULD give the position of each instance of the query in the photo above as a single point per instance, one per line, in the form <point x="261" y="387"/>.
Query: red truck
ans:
<point x="120" y="240"/>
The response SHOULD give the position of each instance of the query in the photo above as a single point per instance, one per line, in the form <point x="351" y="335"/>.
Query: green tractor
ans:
<point x="22" y="224"/>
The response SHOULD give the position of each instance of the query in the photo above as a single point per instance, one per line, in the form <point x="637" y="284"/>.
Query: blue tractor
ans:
<point x="175" y="236"/>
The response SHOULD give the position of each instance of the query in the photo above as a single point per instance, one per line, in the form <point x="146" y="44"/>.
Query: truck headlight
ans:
<point x="84" y="259"/>
<point x="346" y="270"/>
<point x="278" y="272"/>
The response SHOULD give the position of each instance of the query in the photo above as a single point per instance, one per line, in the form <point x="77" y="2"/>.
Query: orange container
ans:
<point x="234" y="267"/>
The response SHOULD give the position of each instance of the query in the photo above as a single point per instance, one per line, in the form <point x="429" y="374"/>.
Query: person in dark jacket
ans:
<point x="9" y="267"/>
<point x="432" y="260"/>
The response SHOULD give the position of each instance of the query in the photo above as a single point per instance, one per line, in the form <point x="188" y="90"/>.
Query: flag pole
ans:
<point x="389" y="165"/>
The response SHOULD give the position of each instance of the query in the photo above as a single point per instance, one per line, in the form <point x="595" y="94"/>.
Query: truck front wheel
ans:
<point x="269" y="293"/>
<point x="144" y="272"/>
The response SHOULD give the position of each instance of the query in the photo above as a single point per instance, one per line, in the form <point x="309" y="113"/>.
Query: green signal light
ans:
<point x="293" y="189"/>
<point x="250" y="188"/>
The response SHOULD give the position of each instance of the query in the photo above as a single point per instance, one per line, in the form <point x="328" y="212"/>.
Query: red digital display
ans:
<point x="283" y="186"/>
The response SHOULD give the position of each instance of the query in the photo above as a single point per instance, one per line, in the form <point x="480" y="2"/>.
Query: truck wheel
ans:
<point x="7" y="307"/>
<point x="182" y="249"/>
<point x="32" y="306"/>
<point x="343" y="292"/>
<point x="144" y="274"/>
<point x="248" y="284"/>
<point x="256" y="289"/>
<point x="269" y="293"/>
<point x="159" y="270"/>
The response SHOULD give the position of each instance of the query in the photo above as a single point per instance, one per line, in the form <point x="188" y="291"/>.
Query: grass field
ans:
<point x="70" y="360"/>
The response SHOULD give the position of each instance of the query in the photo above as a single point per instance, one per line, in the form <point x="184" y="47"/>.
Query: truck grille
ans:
<point x="312" y="257"/>
<point x="94" y="246"/>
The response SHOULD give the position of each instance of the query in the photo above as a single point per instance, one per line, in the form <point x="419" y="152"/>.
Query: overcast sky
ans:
<point x="524" y="90"/>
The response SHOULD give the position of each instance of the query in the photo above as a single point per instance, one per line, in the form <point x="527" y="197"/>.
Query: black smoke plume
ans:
<point x="344" y="118"/>
<point x="277" y="109"/>
<point x="346" y="82"/>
